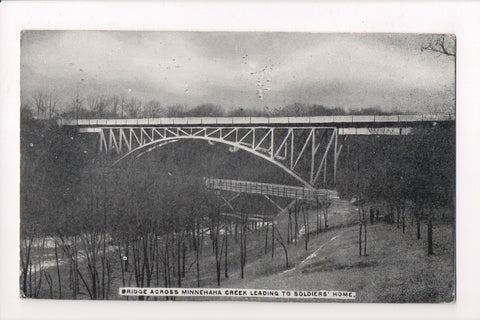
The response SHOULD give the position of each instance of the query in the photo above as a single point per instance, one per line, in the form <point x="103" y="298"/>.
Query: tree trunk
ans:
<point x="226" y="248"/>
<point x="197" y="252"/>
<point x="26" y="264"/>
<point x="305" y="227"/>
<point x="398" y="217"/>
<point x="197" y="267"/>
<point x="243" y="246"/>
<point x="365" y="240"/>
<point x="280" y="240"/>
<point x="325" y="218"/>
<point x="58" y="272"/>
<point x="167" y="265"/>
<point x="430" y="234"/>
<point x="266" y="238"/>
<point x="289" y="227"/>
<point x="179" y="265"/>
<point x="296" y="225"/>
<point x="103" y="260"/>
<point x="122" y="268"/>
<point x="184" y="252"/>
<point x="360" y="240"/>
<point x="242" y="256"/>
<point x="49" y="280"/>
<point x="418" y="227"/>
<point x="273" y="237"/>
<point x="217" y="256"/>
<point x="29" y="294"/>
<point x="75" y="264"/>
<point x="109" y="278"/>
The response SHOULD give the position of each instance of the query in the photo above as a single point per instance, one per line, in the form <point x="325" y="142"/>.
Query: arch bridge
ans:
<point x="307" y="148"/>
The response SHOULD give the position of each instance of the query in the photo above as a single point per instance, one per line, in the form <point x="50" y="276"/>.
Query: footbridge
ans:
<point x="307" y="148"/>
<point x="271" y="189"/>
<point x="323" y="197"/>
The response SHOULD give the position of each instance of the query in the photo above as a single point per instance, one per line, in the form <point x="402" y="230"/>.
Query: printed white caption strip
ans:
<point x="243" y="293"/>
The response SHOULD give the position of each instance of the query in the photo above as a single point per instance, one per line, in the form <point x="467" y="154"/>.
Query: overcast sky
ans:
<point x="248" y="70"/>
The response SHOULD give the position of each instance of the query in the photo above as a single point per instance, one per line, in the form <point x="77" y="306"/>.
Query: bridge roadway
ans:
<point x="343" y="121"/>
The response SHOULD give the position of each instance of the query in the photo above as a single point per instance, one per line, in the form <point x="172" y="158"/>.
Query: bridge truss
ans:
<point x="306" y="153"/>
<point x="307" y="148"/>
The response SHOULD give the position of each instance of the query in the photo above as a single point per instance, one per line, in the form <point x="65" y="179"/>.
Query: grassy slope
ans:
<point x="396" y="268"/>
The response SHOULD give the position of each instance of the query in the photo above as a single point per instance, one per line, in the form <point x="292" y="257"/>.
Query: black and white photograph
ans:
<point x="255" y="166"/>
<point x="239" y="160"/>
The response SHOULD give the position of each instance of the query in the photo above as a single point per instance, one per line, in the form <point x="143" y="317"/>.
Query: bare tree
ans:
<point x="154" y="109"/>
<point x="39" y="103"/>
<point x="98" y="104"/>
<point x="50" y="104"/>
<point x="26" y="111"/>
<point x="133" y="107"/>
<point x="115" y="100"/>
<point x="77" y="103"/>
<point x="92" y="102"/>
<point x="177" y="110"/>
<point x="444" y="44"/>
<point x="45" y="103"/>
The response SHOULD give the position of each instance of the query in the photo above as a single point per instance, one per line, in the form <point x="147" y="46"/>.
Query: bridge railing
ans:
<point x="260" y="120"/>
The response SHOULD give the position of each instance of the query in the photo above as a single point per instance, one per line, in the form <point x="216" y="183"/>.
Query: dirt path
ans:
<point x="311" y="256"/>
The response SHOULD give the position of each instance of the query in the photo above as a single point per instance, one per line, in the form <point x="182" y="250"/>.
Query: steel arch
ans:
<point x="164" y="141"/>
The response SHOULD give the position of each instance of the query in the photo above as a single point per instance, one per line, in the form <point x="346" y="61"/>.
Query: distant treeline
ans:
<point x="45" y="106"/>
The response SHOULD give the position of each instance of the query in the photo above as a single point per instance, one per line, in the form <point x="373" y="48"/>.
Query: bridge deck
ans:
<point x="271" y="189"/>
<point x="334" y="121"/>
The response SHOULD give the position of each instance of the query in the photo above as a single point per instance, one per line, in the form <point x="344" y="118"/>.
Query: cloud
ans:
<point x="229" y="69"/>
<point x="376" y="65"/>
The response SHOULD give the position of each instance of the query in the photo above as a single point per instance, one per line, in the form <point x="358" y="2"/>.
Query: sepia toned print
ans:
<point x="247" y="166"/>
